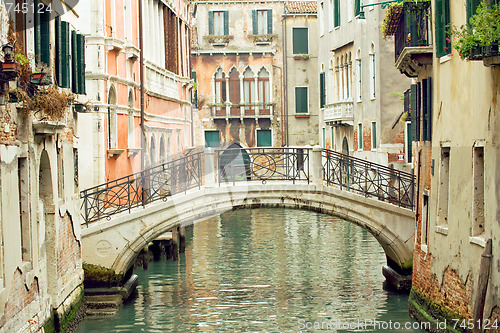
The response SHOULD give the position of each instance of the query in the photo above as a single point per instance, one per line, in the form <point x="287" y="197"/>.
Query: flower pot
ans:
<point x="9" y="66"/>
<point x="476" y="53"/>
<point x="40" y="79"/>
<point x="490" y="50"/>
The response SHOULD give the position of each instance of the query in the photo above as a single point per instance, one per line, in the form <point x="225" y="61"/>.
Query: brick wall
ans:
<point x="68" y="252"/>
<point x="11" y="135"/>
<point x="20" y="296"/>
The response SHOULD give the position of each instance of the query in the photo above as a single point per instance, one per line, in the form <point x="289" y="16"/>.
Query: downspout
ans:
<point x="141" y="63"/>
<point x="285" y="71"/>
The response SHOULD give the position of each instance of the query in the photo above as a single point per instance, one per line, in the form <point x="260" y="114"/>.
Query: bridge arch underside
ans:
<point x="116" y="243"/>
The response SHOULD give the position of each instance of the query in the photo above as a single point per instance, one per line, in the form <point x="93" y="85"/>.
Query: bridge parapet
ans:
<point x="215" y="167"/>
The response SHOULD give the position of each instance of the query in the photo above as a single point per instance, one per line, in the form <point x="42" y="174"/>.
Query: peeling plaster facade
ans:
<point x="40" y="240"/>
<point x="239" y="72"/>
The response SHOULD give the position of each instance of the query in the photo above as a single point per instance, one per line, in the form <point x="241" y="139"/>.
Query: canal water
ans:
<point x="265" y="270"/>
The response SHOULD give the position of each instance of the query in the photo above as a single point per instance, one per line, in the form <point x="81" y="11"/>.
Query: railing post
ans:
<point x="210" y="167"/>
<point x="317" y="168"/>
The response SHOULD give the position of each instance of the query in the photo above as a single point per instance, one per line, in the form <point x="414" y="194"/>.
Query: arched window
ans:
<point x="337" y="80"/>
<point x="234" y="86"/>
<point x="112" y="121"/>
<point x="220" y="86"/>
<point x="163" y="154"/>
<point x="152" y="151"/>
<point x="263" y="84"/>
<point x="372" y="72"/>
<point x="249" y="87"/>
<point x="130" y="122"/>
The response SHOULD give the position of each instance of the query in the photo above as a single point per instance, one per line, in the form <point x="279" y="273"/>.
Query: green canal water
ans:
<point x="265" y="270"/>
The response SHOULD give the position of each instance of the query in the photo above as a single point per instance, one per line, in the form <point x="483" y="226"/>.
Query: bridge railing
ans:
<point x="141" y="188"/>
<point x="370" y="179"/>
<point x="264" y="164"/>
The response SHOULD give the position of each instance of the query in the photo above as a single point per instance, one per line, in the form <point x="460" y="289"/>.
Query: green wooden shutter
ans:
<point x="226" y="23"/>
<point x="413" y="110"/>
<point x="360" y="136"/>
<point x="301" y="103"/>
<point x="374" y="135"/>
<point x="442" y="19"/>
<point x="409" y="142"/>
<point x="210" y="23"/>
<point x="74" y="63"/>
<point x="471" y="8"/>
<point x="321" y="90"/>
<point x="81" y="63"/>
<point x="269" y="21"/>
<point x="44" y="36"/>
<point x="254" y="22"/>
<point x="336" y="16"/>
<point x="264" y="138"/>
<point x="300" y="41"/>
<point x="357" y="7"/>
<point x="333" y="138"/>
<point x="38" y="39"/>
<point x="59" y="55"/>
<point x="65" y="54"/>
<point x="427" y="108"/>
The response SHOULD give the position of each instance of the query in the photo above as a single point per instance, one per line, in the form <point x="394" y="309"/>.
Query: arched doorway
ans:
<point x="46" y="201"/>
<point x="345" y="146"/>
<point x="112" y="119"/>
<point x="234" y="164"/>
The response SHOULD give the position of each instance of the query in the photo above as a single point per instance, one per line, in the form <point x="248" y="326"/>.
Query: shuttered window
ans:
<point x="62" y="53"/>
<point x="300" y="41"/>
<point x="42" y="35"/>
<point x="357" y="7"/>
<point x="442" y="19"/>
<point x="218" y="23"/>
<point x="374" y="135"/>
<point x="322" y="90"/>
<point x="77" y="63"/>
<point x="415" y="111"/>
<point x="262" y="22"/>
<point x="264" y="138"/>
<point x="336" y="13"/>
<point x="471" y="8"/>
<point x="427" y="109"/>
<point x="360" y="136"/>
<point x="301" y="103"/>
<point x="212" y="139"/>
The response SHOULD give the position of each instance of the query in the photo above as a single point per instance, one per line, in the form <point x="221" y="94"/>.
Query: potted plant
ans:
<point x="481" y="36"/>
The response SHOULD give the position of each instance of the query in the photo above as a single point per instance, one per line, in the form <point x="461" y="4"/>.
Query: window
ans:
<point x="360" y="136"/>
<point x="263" y="86"/>
<point x="218" y="23"/>
<point x="472" y="8"/>
<point x="358" y="77"/>
<point x="324" y="137"/>
<point x="42" y="35"/>
<point x="336" y="13"/>
<point x="301" y="102"/>
<point x="414" y="101"/>
<point x="333" y="138"/>
<point x="372" y="72"/>
<point x="357" y="7"/>
<point x="195" y="91"/>
<point x="262" y="21"/>
<point x="442" y="19"/>
<point x="330" y="17"/>
<point x="249" y="87"/>
<point x="427" y="109"/>
<point x="478" y="191"/>
<point x="23" y="184"/>
<point x="321" y="12"/>
<point x="374" y="135"/>
<point x="77" y="63"/>
<point x="424" y="235"/>
<point x="444" y="185"/>
<point x="212" y="139"/>
<point x="234" y="86"/>
<point x="220" y="86"/>
<point x="62" y="53"/>
<point x="264" y="138"/>
<point x="300" y="41"/>
<point x="322" y="90"/>
<point x="409" y="147"/>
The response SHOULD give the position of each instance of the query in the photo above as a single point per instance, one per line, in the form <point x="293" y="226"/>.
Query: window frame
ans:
<point x="260" y="130"/>
<point x="374" y="136"/>
<point x="307" y="99"/>
<point x="205" y="137"/>
<point x="360" y="136"/>
<point x="296" y="47"/>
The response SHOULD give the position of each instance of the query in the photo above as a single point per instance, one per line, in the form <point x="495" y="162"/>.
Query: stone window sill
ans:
<point x="478" y="240"/>
<point x="115" y="152"/>
<point x="442" y="230"/>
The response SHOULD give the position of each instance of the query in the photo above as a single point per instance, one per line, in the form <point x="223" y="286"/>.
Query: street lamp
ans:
<point x="384" y="4"/>
<point x="9" y="67"/>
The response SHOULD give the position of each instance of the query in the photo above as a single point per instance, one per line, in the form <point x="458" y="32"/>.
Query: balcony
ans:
<point x="339" y="113"/>
<point x="413" y="39"/>
<point x="228" y="111"/>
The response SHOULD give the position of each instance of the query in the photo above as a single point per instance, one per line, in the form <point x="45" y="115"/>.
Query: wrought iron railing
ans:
<point x="139" y="189"/>
<point x="263" y="164"/>
<point x="413" y="29"/>
<point x="370" y="179"/>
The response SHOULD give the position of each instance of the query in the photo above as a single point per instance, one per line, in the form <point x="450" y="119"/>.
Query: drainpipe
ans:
<point x="141" y="61"/>
<point x="285" y="71"/>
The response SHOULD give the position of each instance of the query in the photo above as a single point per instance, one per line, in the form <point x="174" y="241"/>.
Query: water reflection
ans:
<point x="262" y="270"/>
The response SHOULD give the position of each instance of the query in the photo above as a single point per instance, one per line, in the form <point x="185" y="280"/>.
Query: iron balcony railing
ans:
<point x="139" y="189"/>
<point x="370" y="179"/>
<point x="264" y="164"/>
<point x="414" y="28"/>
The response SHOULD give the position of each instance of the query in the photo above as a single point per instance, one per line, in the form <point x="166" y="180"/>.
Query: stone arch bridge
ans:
<point x="123" y="216"/>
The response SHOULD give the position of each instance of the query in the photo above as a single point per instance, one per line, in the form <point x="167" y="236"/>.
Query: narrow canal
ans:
<point x="265" y="270"/>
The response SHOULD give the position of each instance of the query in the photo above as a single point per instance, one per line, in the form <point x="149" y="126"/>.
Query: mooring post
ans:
<point x="316" y="165"/>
